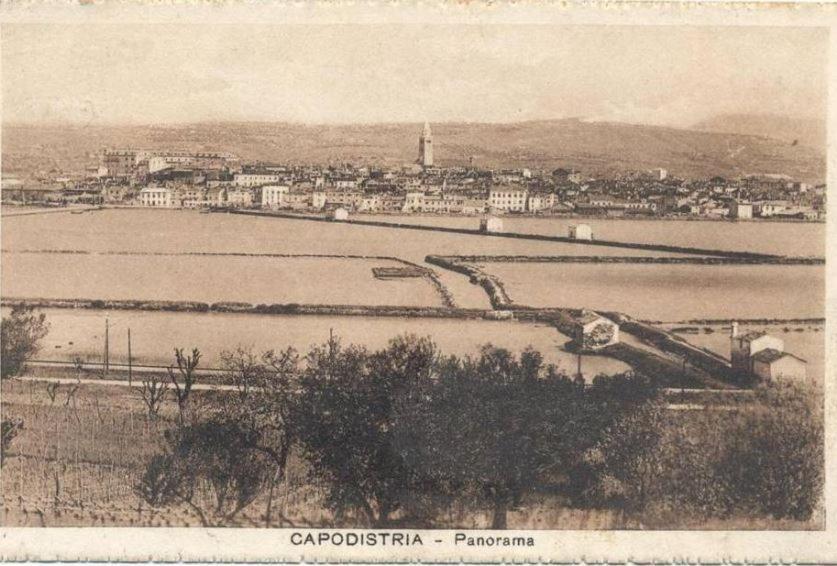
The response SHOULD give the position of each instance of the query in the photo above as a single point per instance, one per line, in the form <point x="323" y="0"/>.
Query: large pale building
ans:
<point x="274" y="196"/>
<point x="426" y="147"/>
<point x="508" y="199"/>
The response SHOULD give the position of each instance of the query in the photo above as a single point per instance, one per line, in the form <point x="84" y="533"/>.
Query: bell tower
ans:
<point x="426" y="147"/>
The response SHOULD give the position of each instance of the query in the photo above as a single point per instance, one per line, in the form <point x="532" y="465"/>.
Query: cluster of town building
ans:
<point x="189" y="179"/>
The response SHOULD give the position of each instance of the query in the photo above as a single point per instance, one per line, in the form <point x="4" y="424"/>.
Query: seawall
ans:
<point x="538" y="237"/>
<point x="249" y="308"/>
<point x="634" y="259"/>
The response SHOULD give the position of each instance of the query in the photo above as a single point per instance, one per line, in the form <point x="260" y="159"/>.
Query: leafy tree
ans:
<point x="482" y="427"/>
<point x="262" y="405"/>
<point x="20" y="335"/>
<point x="773" y="459"/>
<point x="347" y="424"/>
<point x="213" y="458"/>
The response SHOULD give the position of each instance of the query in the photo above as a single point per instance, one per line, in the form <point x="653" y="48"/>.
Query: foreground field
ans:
<point x="79" y="457"/>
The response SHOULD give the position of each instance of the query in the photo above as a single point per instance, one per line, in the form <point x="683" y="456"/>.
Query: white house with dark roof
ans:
<point x="762" y="355"/>
<point x="770" y="365"/>
<point x="744" y="346"/>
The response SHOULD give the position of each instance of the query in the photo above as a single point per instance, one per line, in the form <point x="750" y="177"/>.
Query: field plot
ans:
<point x="154" y="335"/>
<point x="77" y="463"/>
<point x="670" y="292"/>
<point x="210" y="279"/>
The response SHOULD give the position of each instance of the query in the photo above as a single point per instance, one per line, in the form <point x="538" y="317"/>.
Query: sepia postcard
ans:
<point x="443" y="282"/>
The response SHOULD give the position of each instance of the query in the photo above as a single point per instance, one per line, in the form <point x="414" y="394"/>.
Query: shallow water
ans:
<point x="784" y="238"/>
<point x="154" y="335"/>
<point x="670" y="292"/>
<point x="212" y="279"/>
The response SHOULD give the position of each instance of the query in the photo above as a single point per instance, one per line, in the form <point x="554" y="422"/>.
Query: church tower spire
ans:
<point x="426" y="147"/>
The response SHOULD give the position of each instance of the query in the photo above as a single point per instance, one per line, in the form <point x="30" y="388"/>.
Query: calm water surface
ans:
<point x="784" y="238"/>
<point x="670" y="292"/>
<point x="154" y="335"/>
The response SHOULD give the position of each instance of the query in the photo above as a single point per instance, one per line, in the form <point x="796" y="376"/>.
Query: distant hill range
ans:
<point x="591" y="147"/>
<point x="804" y="131"/>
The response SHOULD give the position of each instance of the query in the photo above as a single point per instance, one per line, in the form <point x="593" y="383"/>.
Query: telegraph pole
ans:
<point x="107" y="352"/>
<point x="129" y="357"/>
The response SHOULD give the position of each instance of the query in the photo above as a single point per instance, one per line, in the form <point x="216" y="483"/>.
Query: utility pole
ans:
<point x="107" y="353"/>
<point x="129" y="357"/>
<point x="578" y="373"/>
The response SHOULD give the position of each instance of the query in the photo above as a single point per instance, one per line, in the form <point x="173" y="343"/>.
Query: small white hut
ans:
<point x="491" y="224"/>
<point x="581" y="232"/>
<point x="339" y="214"/>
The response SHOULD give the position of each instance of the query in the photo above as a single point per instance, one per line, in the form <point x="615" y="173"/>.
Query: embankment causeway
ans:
<point x="633" y="259"/>
<point x="522" y="236"/>
<point x="250" y="308"/>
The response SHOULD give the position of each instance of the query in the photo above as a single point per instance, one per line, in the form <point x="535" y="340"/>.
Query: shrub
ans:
<point x="20" y="336"/>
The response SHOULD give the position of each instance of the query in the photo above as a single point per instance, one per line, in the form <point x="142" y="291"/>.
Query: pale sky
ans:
<point x="152" y="74"/>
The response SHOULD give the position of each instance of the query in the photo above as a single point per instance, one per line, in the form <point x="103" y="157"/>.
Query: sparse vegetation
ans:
<point x="405" y="436"/>
<point x="20" y="335"/>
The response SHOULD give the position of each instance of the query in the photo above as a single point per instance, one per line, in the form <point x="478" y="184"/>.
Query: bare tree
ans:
<point x="153" y="392"/>
<point x="52" y="391"/>
<point x="186" y="365"/>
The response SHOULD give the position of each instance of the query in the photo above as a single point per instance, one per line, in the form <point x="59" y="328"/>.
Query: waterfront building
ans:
<point x="768" y="208"/>
<point x="344" y="199"/>
<point x="740" y="210"/>
<point x="474" y="206"/>
<point x="540" y="201"/>
<point x="413" y="201"/>
<point x="370" y="203"/>
<point x="216" y="195"/>
<point x="256" y="179"/>
<point x="508" y="199"/>
<point x="159" y="197"/>
<point x="119" y="162"/>
<point x="115" y="193"/>
<point x="274" y="196"/>
<point x="298" y="200"/>
<point x="426" y="147"/>
<point x="318" y="200"/>
<point x="240" y="198"/>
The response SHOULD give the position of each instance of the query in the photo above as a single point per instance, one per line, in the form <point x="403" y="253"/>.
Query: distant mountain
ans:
<point x="804" y="131"/>
<point x="590" y="147"/>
